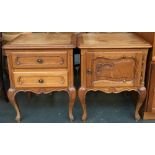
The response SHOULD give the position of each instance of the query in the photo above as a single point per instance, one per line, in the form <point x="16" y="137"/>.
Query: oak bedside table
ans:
<point x="112" y="63"/>
<point x="150" y="100"/>
<point x="41" y="63"/>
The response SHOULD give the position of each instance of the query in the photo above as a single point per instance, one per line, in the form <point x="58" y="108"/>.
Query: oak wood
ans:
<point x="111" y="40"/>
<point x="150" y="37"/>
<point x="109" y="67"/>
<point x="11" y="95"/>
<point x="41" y="63"/>
<point x="151" y="90"/>
<point x="150" y="77"/>
<point x="142" y="96"/>
<point x="39" y="59"/>
<point x="149" y="116"/>
<point x="40" y="78"/>
<point x="112" y="63"/>
<point x="42" y="40"/>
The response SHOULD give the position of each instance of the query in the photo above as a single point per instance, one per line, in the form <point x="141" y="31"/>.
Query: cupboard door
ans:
<point x="115" y="68"/>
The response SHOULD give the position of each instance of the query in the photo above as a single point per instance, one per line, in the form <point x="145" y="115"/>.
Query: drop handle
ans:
<point x="41" y="81"/>
<point x="124" y="80"/>
<point x="17" y="61"/>
<point x="40" y="61"/>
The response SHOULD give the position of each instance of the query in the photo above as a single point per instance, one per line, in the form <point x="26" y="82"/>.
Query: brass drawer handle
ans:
<point x="40" y="61"/>
<point x="41" y="81"/>
<point x="19" y="80"/>
<point x="17" y="61"/>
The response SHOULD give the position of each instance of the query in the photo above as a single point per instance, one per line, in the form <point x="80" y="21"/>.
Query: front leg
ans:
<point x="82" y="94"/>
<point x="142" y="96"/>
<point x="11" y="95"/>
<point x="72" y="96"/>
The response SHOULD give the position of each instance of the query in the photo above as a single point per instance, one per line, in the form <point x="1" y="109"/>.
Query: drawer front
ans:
<point x="31" y="59"/>
<point x="115" y="69"/>
<point x="34" y="78"/>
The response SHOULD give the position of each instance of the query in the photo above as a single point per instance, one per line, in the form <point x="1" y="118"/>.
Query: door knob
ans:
<point x="89" y="71"/>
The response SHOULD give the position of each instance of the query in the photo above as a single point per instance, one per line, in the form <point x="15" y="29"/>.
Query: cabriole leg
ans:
<point x="11" y="96"/>
<point x="72" y="96"/>
<point x="142" y="96"/>
<point x="82" y="95"/>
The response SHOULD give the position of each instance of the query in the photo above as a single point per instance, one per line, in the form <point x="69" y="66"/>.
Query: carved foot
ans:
<point x="142" y="96"/>
<point x="82" y="94"/>
<point x="11" y="96"/>
<point x="72" y="96"/>
<point x="84" y="116"/>
<point x="18" y="119"/>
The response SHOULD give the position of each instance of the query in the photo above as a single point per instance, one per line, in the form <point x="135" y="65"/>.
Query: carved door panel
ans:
<point x="114" y="68"/>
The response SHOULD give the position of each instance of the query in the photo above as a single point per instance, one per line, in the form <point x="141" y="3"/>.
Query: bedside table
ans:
<point x="41" y="63"/>
<point x="112" y="63"/>
<point x="149" y="112"/>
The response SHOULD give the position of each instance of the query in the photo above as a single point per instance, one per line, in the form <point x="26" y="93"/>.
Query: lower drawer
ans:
<point x="40" y="78"/>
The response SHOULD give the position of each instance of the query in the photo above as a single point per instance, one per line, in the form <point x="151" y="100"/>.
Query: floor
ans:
<point x="102" y="108"/>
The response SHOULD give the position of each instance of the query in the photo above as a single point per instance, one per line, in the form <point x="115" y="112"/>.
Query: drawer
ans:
<point x="40" y="78"/>
<point x="114" y="68"/>
<point x="34" y="59"/>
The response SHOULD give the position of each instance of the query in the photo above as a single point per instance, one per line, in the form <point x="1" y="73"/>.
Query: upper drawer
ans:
<point x="31" y="59"/>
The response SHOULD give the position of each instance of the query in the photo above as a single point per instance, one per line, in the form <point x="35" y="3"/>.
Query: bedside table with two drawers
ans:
<point x="41" y="63"/>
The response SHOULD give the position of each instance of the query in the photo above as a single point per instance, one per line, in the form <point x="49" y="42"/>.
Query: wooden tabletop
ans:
<point x="111" y="40"/>
<point x="42" y="40"/>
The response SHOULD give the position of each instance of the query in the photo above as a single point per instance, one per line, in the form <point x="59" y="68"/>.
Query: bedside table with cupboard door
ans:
<point x="112" y="63"/>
